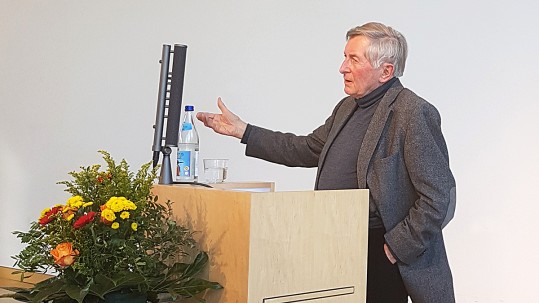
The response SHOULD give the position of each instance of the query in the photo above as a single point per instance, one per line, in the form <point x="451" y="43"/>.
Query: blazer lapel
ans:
<point x="342" y="116"/>
<point x="374" y="131"/>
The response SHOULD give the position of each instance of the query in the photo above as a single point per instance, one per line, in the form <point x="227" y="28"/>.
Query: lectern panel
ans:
<point x="320" y="296"/>
<point x="305" y="242"/>
<point x="222" y="223"/>
<point x="278" y="246"/>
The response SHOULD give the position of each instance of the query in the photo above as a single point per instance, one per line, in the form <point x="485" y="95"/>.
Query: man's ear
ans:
<point x="387" y="72"/>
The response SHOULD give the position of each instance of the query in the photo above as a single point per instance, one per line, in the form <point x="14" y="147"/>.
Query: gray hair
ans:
<point x="387" y="45"/>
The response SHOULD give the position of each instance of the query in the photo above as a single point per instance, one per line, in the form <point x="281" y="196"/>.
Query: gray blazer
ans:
<point x="404" y="163"/>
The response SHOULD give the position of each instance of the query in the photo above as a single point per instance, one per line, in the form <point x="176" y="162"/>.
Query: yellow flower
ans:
<point x="75" y="201"/>
<point x="113" y="204"/>
<point x="108" y="215"/>
<point x="70" y="217"/>
<point x="115" y="225"/>
<point x="124" y="215"/>
<point x="87" y="204"/>
<point x="129" y="205"/>
<point x="134" y="226"/>
<point x="117" y="204"/>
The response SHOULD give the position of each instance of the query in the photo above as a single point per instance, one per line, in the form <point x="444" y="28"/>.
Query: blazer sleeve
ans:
<point x="427" y="161"/>
<point x="287" y="148"/>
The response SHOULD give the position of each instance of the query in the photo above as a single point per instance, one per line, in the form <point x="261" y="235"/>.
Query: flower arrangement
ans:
<point x="110" y="236"/>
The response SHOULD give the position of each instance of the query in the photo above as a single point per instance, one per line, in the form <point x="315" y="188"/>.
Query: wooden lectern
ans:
<point x="276" y="247"/>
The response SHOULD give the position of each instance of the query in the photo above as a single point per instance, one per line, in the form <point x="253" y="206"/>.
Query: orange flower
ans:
<point x="63" y="254"/>
<point x="68" y="211"/>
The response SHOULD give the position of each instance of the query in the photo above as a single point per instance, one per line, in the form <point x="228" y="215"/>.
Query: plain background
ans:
<point x="80" y="76"/>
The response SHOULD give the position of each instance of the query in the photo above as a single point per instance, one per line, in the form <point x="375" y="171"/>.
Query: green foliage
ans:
<point x="137" y="246"/>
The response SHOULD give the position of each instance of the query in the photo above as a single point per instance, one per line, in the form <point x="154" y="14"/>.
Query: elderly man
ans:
<point x="385" y="138"/>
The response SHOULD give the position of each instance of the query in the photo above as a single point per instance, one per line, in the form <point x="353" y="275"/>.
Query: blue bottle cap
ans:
<point x="189" y="108"/>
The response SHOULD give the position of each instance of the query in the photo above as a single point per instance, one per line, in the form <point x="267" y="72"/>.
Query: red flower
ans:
<point x="50" y="215"/>
<point x="85" y="219"/>
<point x="99" y="179"/>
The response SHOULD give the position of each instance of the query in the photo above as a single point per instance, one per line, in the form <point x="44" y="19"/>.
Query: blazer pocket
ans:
<point x="383" y="178"/>
<point x="386" y="168"/>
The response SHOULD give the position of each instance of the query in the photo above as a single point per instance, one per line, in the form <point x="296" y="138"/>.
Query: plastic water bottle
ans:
<point x="187" y="162"/>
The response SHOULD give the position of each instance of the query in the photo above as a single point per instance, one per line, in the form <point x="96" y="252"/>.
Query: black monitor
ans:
<point x="169" y="106"/>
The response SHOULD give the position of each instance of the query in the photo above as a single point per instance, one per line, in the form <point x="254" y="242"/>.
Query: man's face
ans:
<point x="360" y="78"/>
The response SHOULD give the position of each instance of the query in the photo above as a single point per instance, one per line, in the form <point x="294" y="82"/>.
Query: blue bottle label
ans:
<point x="187" y="126"/>
<point x="184" y="163"/>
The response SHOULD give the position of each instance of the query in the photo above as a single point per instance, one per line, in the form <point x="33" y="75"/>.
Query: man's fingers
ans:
<point x="206" y="118"/>
<point x="202" y="117"/>
<point x="226" y="123"/>
<point x="222" y="107"/>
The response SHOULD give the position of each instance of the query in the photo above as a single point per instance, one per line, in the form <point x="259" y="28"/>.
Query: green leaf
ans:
<point x="91" y="299"/>
<point x="101" y="286"/>
<point x="177" y="269"/>
<point x="197" y="285"/>
<point x="45" y="290"/>
<point x="76" y="292"/>
<point x="130" y="279"/>
<point x="197" y="265"/>
<point x="193" y="287"/>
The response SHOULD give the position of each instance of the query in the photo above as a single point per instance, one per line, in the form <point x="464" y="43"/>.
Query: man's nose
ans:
<point x="344" y="67"/>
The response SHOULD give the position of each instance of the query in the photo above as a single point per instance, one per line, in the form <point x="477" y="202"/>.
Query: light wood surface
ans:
<point x="246" y="186"/>
<point x="221" y="220"/>
<point x="8" y="279"/>
<point x="278" y="247"/>
<point x="306" y="242"/>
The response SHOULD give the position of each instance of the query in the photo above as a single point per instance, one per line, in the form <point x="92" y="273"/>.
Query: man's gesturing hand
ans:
<point x="225" y="123"/>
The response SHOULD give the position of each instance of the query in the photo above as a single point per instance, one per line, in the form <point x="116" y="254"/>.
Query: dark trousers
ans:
<point x="384" y="281"/>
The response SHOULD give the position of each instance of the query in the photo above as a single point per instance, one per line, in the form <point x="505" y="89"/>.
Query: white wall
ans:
<point x="79" y="76"/>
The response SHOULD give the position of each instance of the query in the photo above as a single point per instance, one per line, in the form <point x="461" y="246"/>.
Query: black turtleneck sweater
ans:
<point x="340" y="166"/>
